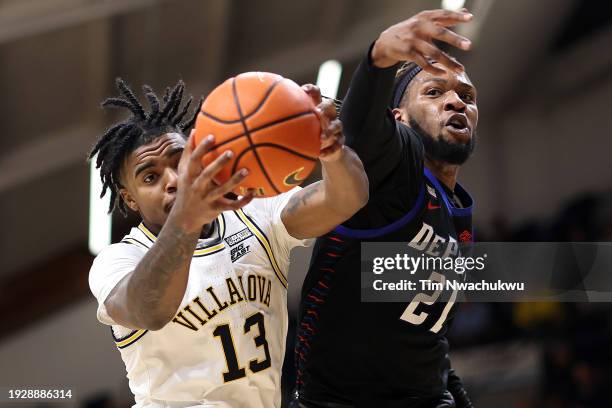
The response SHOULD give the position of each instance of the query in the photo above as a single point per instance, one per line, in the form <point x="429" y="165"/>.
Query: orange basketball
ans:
<point x="270" y="125"/>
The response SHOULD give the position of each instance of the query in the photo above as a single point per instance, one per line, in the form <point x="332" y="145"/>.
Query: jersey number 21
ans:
<point x="410" y="314"/>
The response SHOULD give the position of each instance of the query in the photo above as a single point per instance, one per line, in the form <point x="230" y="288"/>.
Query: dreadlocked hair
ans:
<point x="142" y="127"/>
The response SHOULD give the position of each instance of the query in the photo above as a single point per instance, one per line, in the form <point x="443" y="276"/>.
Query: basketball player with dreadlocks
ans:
<point x="354" y="354"/>
<point x="196" y="294"/>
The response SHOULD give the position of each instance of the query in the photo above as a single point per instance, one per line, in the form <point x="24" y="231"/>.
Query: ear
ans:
<point x="128" y="199"/>
<point x="400" y="115"/>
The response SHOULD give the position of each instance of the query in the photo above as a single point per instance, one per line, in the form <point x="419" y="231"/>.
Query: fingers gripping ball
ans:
<point x="270" y="125"/>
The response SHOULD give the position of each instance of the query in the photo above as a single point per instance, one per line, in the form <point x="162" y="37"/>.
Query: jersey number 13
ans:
<point x="234" y="371"/>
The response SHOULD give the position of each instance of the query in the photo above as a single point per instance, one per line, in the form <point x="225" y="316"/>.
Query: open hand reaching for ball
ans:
<point x="199" y="199"/>
<point x="332" y="138"/>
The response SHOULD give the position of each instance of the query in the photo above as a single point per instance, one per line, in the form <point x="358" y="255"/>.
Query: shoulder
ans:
<point x="117" y="254"/>
<point x="121" y="255"/>
<point x="136" y="243"/>
<point x="110" y="266"/>
<point x="120" y="249"/>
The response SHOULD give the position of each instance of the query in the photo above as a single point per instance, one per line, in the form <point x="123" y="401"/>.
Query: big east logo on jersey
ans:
<point x="239" y="251"/>
<point x="426" y="240"/>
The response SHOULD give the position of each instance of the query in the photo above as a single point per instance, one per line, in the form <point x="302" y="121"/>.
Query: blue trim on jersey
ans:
<point x="387" y="229"/>
<point x="461" y="193"/>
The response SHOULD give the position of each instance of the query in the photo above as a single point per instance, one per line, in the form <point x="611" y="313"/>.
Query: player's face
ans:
<point x="444" y="108"/>
<point x="149" y="177"/>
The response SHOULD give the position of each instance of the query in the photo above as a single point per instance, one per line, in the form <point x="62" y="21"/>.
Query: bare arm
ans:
<point x="149" y="297"/>
<point x="321" y="206"/>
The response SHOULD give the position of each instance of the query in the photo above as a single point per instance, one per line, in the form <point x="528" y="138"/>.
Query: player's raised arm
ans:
<point x="369" y="126"/>
<point x="321" y="206"/>
<point x="149" y="297"/>
<point x="412" y="40"/>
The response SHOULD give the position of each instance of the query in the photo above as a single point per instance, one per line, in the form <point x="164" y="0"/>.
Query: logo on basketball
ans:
<point x="292" y="178"/>
<point x="271" y="126"/>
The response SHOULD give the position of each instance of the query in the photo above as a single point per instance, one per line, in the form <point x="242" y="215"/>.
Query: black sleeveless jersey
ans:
<point x="359" y="353"/>
<point x="379" y="354"/>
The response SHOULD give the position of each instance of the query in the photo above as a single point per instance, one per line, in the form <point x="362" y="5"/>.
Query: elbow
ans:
<point x="155" y="325"/>
<point x="155" y="322"/>
<point x="152" y="317"/>
<point x="149" y="309"/>
<point x="135" y="320"/>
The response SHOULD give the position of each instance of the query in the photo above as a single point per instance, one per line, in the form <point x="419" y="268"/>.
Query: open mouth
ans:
<point x="457" y="123"/>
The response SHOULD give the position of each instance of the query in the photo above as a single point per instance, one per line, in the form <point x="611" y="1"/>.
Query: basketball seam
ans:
<point x="258" y="107"/>
<point x="248" y="136"/>
<point x="248" y="149"/>
<point x="262" y="127"/>
<point x="279" y="146"/>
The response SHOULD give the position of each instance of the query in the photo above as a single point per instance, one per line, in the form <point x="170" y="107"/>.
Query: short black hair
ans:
<point x="140" y="128"/>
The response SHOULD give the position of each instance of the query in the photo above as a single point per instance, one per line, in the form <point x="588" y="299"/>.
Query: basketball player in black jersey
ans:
<point x="379" y="355"/>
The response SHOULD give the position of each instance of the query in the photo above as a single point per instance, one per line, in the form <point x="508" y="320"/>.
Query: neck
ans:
<point x="207" y="230"/>
<point x="154" y="228"/>
<point x="446" y="173"/>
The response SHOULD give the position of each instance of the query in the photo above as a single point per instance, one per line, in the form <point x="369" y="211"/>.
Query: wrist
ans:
<point x="378" y="56"/>
<point x="183" y="223"/>
<point x="333" y="157"/>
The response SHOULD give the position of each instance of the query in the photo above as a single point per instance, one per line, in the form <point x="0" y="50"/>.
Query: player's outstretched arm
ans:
<point x="318" y="208"/>
<point x="413" y="40"/>
<point x="369" y="126"/>
<point x="149" y="297"/>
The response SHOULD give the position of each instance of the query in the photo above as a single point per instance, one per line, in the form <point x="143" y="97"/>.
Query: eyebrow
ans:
<point x="462" y="84"/>
<point x="142" y="168"/>
<point x="139" y="169"/>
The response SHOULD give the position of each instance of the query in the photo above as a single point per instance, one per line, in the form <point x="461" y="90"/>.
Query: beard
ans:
<point x="440" y="149"/>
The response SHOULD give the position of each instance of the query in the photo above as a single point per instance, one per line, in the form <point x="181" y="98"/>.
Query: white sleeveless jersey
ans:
<point x="226" y="343"/>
